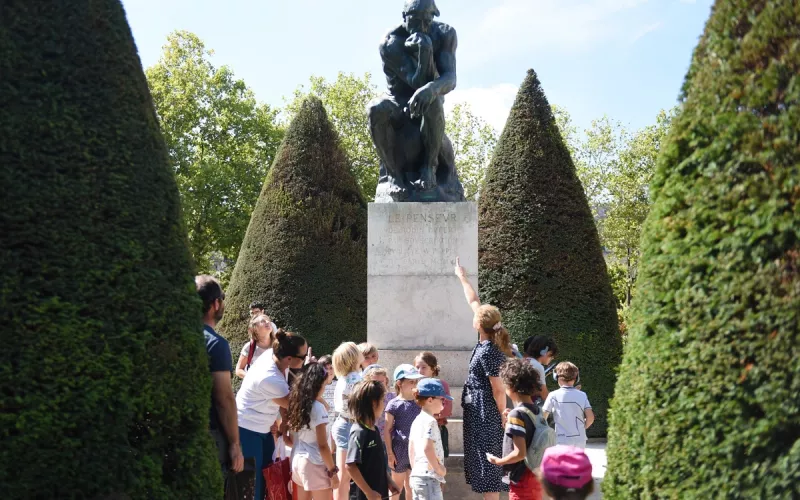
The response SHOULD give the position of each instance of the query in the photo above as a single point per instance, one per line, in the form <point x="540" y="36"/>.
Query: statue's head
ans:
<point x="418" y="15"/>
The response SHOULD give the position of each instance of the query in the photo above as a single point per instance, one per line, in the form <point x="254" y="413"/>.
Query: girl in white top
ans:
<point x="313" y="467"/>
<point x="263" y="394"/>
<point x="262" y="335"/>
<point x="347" y="361"/>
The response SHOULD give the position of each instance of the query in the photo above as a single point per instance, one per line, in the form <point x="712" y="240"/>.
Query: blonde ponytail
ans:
<point x="492" y="326"/>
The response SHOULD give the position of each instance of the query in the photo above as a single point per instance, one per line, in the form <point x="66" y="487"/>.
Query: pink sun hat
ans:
<point x="566" y="466"/>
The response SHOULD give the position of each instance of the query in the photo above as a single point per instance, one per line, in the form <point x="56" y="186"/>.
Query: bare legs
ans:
<point x="403" y="481"/>
<point x="343" y="491"/>
<point x="314" y="495"/>
<point x="382" y="113"/>
<point x="432" y="132"/>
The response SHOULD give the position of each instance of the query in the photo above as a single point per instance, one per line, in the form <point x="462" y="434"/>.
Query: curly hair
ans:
<point x="304" y="392"/>
<point x="522" y="378"/>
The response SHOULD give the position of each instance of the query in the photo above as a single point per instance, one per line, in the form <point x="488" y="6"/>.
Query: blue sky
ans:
<point x="623" y="58"/>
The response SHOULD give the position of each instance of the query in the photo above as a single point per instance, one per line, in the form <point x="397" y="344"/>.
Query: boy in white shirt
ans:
<point x="570" y="407"/>
<point x="425" y="450"/>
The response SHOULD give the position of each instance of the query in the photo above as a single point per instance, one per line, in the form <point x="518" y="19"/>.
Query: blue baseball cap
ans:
<point x="406" y="371"/>
<point x="432" y="388"/>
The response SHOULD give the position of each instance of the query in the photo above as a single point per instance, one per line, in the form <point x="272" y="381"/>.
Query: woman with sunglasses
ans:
<point x="264" y="396"/>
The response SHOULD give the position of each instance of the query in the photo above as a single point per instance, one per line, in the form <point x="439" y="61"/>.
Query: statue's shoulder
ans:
<point x="444" y="29"/>
<point x="394" y="38"/>
<point x="445" y="33"/>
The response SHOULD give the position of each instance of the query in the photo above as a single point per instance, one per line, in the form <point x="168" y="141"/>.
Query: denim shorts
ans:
<point x="426" y="488"/>
<point x="341" y="432"/>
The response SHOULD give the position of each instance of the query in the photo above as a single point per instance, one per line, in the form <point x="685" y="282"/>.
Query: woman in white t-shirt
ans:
<point x="262" y="335"/>
<point x="263" y="393"/>
<point x="313" y="466"/>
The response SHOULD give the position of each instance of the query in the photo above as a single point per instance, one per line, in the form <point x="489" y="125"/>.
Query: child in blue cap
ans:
<point x="425" y="444"/>
<point x="400" y="414"/>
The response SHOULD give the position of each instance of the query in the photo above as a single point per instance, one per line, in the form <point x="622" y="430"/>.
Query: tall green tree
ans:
<point x="104" y="383"/>
<point x="539" y="252"/>
<point x="473" y="142"/>
<point x="708" y="399"/>
<point x="305" y="252"/>
<point x="615" y="167"/>
<point x="346" y="100"/>
<point x="629" y="202"/>
<point x="221" y="142"/>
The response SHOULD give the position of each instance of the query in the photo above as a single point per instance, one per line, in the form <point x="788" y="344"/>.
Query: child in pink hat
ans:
<point x="566" y="473"/>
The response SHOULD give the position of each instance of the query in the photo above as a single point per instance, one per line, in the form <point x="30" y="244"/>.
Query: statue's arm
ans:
<point x="397" y="62"/>
<point x="446" y="63"/>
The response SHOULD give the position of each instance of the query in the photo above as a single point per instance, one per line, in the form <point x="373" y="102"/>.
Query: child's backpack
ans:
<point x="543" y="437"/>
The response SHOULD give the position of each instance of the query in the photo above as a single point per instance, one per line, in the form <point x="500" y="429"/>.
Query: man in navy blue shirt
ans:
<point x="224" y="424"/>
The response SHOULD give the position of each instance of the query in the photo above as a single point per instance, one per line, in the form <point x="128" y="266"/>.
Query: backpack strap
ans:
<point x="250" y="355"/>
<point x="532" y="417"/>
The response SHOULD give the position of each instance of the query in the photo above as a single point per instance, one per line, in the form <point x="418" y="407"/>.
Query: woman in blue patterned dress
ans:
<point x="484" y="397"/>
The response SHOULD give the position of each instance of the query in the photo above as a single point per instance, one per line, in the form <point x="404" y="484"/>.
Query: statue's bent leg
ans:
<point x="432" y="132"/>
<point x="382" y="113"/>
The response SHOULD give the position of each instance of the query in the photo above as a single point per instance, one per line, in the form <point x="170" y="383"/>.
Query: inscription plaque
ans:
<point x="414" y="301"/>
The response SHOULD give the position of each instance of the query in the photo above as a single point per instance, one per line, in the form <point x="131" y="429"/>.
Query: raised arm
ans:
<point x="472" y="296"/>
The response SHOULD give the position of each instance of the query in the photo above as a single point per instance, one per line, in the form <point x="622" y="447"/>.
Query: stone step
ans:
<point x="456" y="486"/>
<point x="455" y="430"/>
<point x="458" y="411"/>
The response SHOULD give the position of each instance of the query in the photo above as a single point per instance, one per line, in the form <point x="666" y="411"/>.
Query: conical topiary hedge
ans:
<point x="104" y="383"/>
<point x="708" y="403"/>
<point x="540" y="256"/>
<point x="305" y="252"/>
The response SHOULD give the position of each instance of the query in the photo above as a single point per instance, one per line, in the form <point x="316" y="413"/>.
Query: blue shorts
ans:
<point x="340" y="431"/>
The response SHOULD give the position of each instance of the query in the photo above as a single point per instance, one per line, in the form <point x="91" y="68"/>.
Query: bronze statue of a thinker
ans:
<point x="407" y="124"/>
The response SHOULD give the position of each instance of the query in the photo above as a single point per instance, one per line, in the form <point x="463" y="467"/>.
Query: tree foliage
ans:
<point x="221" y="142"/>
<point x="305" y="251"/>
<point x="629" y="202"/>
<point x="539" y="253"/>
<point x="104" y="382"/>
<point x="473" y="142"/>
<point x="615" y="167"/>
<point x="708" y="402"/>
<point x="346" y="100"/>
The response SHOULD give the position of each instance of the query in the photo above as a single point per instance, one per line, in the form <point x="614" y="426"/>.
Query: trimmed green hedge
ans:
<point x="104" y="382"/>
<point x="305" y="251"/>
<point x="539" y="252"/>
<point x="708" y="403"/>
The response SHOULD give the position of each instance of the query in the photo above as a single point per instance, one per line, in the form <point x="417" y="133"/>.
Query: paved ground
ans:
<point x="597" y="455"/>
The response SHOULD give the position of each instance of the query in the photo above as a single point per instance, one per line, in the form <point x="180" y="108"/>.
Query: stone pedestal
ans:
<point x="414" y="301"/>
<point x="413" y="298"/>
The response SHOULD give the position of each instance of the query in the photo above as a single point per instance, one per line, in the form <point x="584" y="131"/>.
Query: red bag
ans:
<point x="278" y="476"/>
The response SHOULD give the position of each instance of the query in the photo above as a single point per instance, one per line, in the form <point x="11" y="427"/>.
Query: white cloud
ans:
<point x="490" y="103"/>
<point x="645" y="30"/>
<point x="512" y="27"/>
